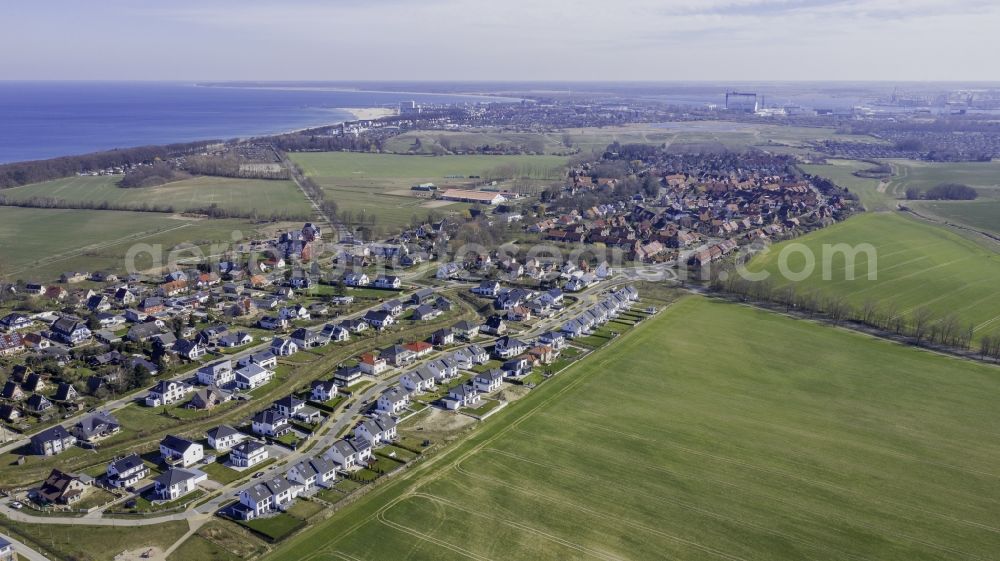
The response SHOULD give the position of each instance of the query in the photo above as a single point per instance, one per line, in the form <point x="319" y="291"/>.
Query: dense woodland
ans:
<point x="24" y="173"/>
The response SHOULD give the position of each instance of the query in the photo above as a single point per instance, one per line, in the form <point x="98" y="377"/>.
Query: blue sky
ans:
<point x="505" y="40"/>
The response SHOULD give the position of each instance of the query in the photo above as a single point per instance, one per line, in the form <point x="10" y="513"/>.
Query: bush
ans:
<point x="950" y="192"/>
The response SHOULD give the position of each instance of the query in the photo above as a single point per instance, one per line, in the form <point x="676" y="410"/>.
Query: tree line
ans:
<point x="212" y="211"/>
<point x="23" y="173"/>
<point x="922" y="325"/>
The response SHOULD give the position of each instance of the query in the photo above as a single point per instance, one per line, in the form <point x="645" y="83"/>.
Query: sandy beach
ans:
<point x="365" y="113"/>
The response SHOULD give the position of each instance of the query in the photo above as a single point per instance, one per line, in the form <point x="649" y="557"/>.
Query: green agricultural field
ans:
<point x="379" y="184"/>
<point x="872" y="192"/>
<point x="981" y="214"/>
<point x="918" y="264"/>
<point x="88" y="240"/>
<point x="712" y="431"/>
<point x="984" y="176"/>
<point x="238" y="195"/>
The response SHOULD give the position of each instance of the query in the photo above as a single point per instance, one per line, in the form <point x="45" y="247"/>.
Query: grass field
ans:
<point x="94" y="543"/>
<point x="981" y="214"/>
<point x="39" y="244"/>
<point x="984" y="176"/>
<point x="738" y="136"/>
<point x="379" y="184"/>
<point x="841" y="172"/>
<point x="710" y="432"/>
<point x="918" y="264"/>
<point x="242" y="195"/>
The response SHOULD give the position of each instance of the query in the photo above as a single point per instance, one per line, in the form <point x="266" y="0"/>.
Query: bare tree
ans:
<point x="921" y="322"/>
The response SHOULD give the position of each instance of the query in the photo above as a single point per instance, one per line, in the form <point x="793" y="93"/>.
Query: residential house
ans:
<point x="268" y="496"/>
<point x="248" y="454"/>
<point x="190" y="350"/>
<point x="270" y="423"/>
<point x="208" y="398"/>
<point x="37" y="403"/>
<point x="252" y="376"/>
<point x="379" y="319"/>
<point x="393" y="401"/>
<point x="176" y="483"/>
<point x="378" y="429"/>
<point x="398" y="355"/>
<point x="312" y="473"/>
<point x="94" y="427"/>
<point x="488" y="382"/>
<point x="516" y="368"/>
<point x="495" y="325"/>
<point x="308" y="339"/>
<point x="372" y="364"/>
<point x="462" y="395"/>
<point x="180" y="451"/>
<point x="60" y="488"/>
<point x="238" y="339"/>
<point x="224" y="437"/>
<point x="419" y="348"/>
<point x="424" y="312"/>
<point x="394" y="307"/>
<point x="219" y="373"/>
<point x="354" y="325"/>
<point x="166" y="392"/>
<point x="52" y="441"/>
<point x="14" y="321"/>
<point x="335" y="333"/>
<point x="350" y="453"/>
<point x="11" y="344"/>
<point x="126" y="472"/>
<point x="388" y="282"/>
<point x="443" y="337"/>
<point x="264" y="359"/>
<point x="323" y="390"/>
<point x="477" y="354"/>
<point x="273" y="322"/>
<point x="70" y="330"/>
<point x="12" y="391"/>
<point x="419" y="380"/>
<point x="487" y="288"/>
<point x="553" y="339"/>
<point x="284" y="347"/>
<point x="507" y="347"/>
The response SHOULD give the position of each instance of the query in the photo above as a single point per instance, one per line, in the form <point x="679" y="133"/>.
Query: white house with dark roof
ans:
<point x="224" y="437"/>
<point x="323" y="390"/>
<point x="388" y="282"/>
<point x="378" y="429"/>
<point x="488" y="382"/>
<point x="419" y="380"/>
<point x="507" y="347"/>
<point x="270" y="423"/>
<point x="176" y="450"/>
<point x="247" y="454"/>
<point x="264" y="359"/>
<point x="393" y="401"/>
<point x="95" y="426"/>
<point x="350" y="453"/>
<point x="267" y="496"/>
<point x="462" y="395"/>
<point x="252" y="376"/>
<point x="312" y="473"/>
<point x="126" y="472"/>
<point x="176" y="483"/>
<point x="166" y="392"/>
<point x="219" y="373"/>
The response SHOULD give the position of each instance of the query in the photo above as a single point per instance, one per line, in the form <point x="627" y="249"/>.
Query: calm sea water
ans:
<point x="47" y="119"/>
